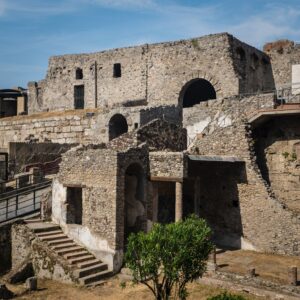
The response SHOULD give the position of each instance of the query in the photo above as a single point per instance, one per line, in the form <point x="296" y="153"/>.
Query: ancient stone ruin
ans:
<point x="115" y="141"/>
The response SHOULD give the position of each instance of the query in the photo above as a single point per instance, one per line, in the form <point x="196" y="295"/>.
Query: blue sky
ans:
<point x="33" y="30"/>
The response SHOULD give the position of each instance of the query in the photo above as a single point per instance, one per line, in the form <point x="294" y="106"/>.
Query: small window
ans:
<point x="136" y="125"/>
<point x="117" y="70"/>
<point x="79" y="73"/>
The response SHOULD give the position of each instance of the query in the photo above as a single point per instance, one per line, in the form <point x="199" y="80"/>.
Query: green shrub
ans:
<point x="169" y="256"/>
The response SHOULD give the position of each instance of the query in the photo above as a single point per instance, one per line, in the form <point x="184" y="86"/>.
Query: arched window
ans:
<point x="196" y="91"/>
<point x="117" y="126"/>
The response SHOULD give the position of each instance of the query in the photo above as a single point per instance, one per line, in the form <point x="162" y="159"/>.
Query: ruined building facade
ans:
<point x="156" y="132"/>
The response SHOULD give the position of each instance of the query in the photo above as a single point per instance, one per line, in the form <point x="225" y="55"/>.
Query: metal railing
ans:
<point x="23" y="202"/>
<point x="22" y="182"/>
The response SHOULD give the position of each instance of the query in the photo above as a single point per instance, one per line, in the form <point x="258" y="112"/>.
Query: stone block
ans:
<point x="31" y="283"/>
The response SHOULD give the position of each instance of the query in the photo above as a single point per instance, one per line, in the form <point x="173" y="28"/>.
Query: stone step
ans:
<point x="88" y="257"/>
<point x="90" y="270"/>
<point x="45" y="229"/>
<point x="94" y="277"/>
<point x="76" y="254"/>
<point x="73" y="249"/>
<point x="63" y="246"/>
<point x="96" y="283"/>
<point x="59" y="242"/>
<point x="54" y="232"/>
<point x="89" y="263"/>
<point x="33" y="221"/>
<point x="53" y="237"/>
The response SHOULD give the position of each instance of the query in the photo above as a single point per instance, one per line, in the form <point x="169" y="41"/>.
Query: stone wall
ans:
<point x="283" y="55"/>
<point x="96" y="171"/>
<point x="46" y="263"/>
<point x="266" y="224"/>
<point x="155" y="74"/>
<point x="208" y="116"/>
<point x="168" y="165"/>
<point x="278" y="153"/>
<point x="77" y="126"/>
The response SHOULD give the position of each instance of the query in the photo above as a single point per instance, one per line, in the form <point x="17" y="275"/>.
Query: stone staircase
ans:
<point x="87" y="269"/>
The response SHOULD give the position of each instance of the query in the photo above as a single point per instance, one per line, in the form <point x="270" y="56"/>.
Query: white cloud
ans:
<point x="124" y="3"/>
<point x="2" y="7"/>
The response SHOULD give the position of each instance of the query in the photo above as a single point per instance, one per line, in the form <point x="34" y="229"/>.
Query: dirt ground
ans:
<point x="111" y="290"/>
<point x="267" y="266"/>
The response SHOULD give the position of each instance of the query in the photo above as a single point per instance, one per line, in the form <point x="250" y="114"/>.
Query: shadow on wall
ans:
<point x="277" y="147"/>
<point x="212" y="192"/>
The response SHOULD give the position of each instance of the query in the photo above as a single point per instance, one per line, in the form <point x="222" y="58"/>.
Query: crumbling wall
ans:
<point x="266" y="224"/>
<point x="78" y="126"/>
<point x="150" y="74"/>
<point x="162" y="135"/>
<point x="208" y="116"/>
<point x="283" y="55"/>
<point x="254" y="68"/>
<point x="46" y="263"/>
<point x="278" y="156"/>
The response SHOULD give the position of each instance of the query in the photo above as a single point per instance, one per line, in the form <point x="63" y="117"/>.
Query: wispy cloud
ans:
<point x="30" y="7"/>
<point x="278" y="21"/>
<point x="123" y="3"/>
<point x="2" y="7"/>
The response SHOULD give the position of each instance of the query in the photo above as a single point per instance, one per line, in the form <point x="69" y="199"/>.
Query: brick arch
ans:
<point x="117" y="125"/>
<point x="197" y="81"/>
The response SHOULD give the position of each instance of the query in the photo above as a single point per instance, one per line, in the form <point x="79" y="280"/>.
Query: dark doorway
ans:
<point x="196" y="91"/>
<point x="79" y="96"/>
<point x="117" y="126"/>
<point x="74" y="205"/>
<point x="135" y="208"/>
<point x="166" y="202"/>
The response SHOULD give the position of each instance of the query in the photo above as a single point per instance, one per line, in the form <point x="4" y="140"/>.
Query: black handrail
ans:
<point x="27" y="188"/>
<point x="21" y="203"/>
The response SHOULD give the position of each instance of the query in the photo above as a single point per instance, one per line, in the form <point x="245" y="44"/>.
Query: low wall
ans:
<point x="89" y="126"/>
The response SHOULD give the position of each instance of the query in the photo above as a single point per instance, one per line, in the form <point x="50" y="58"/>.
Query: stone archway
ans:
<point x="196" y="91"/>
<point x="134" y="206"/>
<point x="117" y="126"/>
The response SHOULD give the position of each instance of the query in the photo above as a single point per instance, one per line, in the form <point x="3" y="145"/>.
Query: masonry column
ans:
<point x="154" y="201"/>
<point x="197" y="196"/>
<point x="178" y="205"/>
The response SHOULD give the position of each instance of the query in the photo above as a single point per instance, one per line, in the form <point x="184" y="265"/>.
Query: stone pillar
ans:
<point x="154" y="202"/>
<point x="178" y="205"/>
<point x="197" y="196"/>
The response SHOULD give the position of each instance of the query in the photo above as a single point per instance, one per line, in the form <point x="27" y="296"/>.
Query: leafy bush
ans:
<point x="170" y="256"/>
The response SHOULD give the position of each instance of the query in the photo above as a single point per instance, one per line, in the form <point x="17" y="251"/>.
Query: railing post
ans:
<point x="17" y="204"/>
<point x="6" y="209"/>
<point x="34" y="199"/>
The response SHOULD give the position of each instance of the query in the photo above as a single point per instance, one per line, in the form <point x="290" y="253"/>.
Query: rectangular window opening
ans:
<point x="74" y="205"/>
<point x="79" y="97"/>
<point x="117" y="70"/>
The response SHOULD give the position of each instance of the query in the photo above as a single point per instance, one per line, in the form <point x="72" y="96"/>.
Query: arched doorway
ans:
<point x="196" y="91"/>
<point x="117" y="126"/>
<point x="134" y="206"/>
